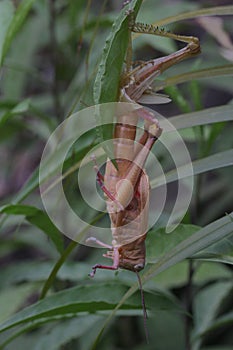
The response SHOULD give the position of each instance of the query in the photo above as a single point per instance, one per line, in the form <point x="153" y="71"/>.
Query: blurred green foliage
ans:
<point x="50" y="53"/>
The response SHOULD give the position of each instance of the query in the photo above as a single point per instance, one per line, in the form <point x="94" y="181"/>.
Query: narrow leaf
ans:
<point x="6" y="15"/>
<point x="207" y="116"/>
<point x="16" y="23"/>
<point x="221" y="251"/>
<point x="215" y="161"/>
<point x="206" y="236"/>
<point x="21" y="107"/>
<point x="205" y="73"/>
<point x="84" y="299"/>
<point x="107" y="82"/>
<point x="38" y="218"/>
<point x="211" y="11"/>
<point x="207" y="304"/>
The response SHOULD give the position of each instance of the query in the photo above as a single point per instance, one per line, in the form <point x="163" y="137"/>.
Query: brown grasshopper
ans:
<point x="126" y="184"/>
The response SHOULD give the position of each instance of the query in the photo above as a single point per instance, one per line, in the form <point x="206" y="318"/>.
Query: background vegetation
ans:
<point x="49" y="54"/>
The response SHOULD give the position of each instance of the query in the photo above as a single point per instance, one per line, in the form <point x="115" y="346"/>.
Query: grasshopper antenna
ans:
<point x="143" y="307"/>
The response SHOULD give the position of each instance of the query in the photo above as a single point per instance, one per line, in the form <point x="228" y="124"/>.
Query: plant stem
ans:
<point x="48" y="283"/>
<point x="199" y="179"/>
<point x="54" y="59"/>
<point x="188" y="306"/>
<point x="56" y="268"/>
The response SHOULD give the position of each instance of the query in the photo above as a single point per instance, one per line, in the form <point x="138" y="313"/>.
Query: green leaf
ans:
<point x="210" y="271"/>
<point x="38" y="271"/>
<point x="31" y="184"/>
<point x="226" y="319"/>
<point x="218" y="160"/>
<point x="53" y="336"/>
<point x="11" y="299"/>
<point x="174" y="277"/>
<point x="221" y="251"/>
<point x="211" y="11"/>
<point x="38" y="218"/>
<point x="73" y="158"/>
<point x="6" y="15"/>
<point x="158" y="242"/>
<point x="21" y="107"/>
<point x="207" y="304"/>
<point x="63" y="332"/>
<point x="215" y="161"/>
<point x="106" y="88"/>
<point x="78" y="300"/>
<point x="204" y="73"/>
<point x="203" y="238"/>
<point x="107" y="82"/>
<point x="15" y="24"/>
<point x="205" y="116"/>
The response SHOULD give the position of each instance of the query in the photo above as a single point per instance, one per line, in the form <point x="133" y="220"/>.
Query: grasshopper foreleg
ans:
<point x="113" y="254"/>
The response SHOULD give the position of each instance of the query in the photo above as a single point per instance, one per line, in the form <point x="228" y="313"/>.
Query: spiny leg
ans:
<point x="137" y="80"/>
<point x="163" y="63"/>
<point x="192" y="41"/>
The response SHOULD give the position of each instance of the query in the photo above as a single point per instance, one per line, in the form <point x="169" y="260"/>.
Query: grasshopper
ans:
<point x="127" y="192"/>
<point x="126" y="184"/>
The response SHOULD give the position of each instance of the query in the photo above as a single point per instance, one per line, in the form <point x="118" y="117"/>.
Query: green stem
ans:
<point x="54" y="59"/>
<point x="56" y="268"/>
<point x="188" y="304"/>
<point x="63" y="257"/>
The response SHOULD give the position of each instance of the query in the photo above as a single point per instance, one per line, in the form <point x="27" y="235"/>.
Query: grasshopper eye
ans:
<point x="138" y="267"/>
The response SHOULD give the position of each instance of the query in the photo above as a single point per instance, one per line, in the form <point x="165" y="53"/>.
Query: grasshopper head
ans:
<point x="132" y="255"/>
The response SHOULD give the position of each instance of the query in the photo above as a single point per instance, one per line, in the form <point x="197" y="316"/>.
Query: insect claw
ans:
<point x="92" y="273"/>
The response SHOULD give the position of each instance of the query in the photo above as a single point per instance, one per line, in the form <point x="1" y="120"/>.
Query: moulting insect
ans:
<point x="126" y="184"/>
